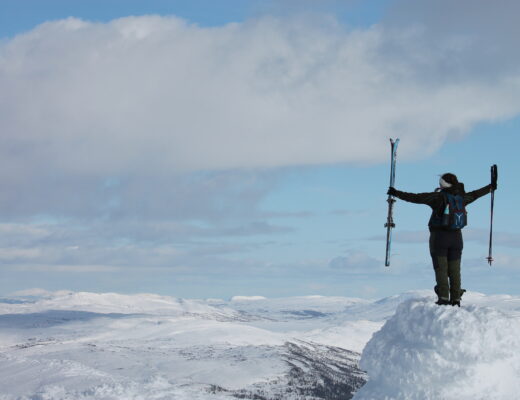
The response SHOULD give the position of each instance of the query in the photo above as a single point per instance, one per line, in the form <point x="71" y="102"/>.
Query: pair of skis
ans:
<point x="391" y="200"/>
<point x="390" y="217"/>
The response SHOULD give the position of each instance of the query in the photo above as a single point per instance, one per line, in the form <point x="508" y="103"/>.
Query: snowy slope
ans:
<point x="68" y="345"/>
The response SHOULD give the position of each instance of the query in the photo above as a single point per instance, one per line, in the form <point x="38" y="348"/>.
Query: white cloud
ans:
<point x="97" y="117"/>
<point x="155" y="94"/>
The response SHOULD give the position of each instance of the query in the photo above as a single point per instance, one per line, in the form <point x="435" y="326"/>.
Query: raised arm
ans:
<point x="470" y="197"/>
<point x="430" y="198"/>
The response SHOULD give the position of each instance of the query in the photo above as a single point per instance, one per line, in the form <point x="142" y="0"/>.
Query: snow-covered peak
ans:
<point x="428" y="352"/>
<point x="247" y="298"/>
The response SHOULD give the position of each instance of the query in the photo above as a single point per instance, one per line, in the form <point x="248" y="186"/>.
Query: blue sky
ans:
<point x="19" y="16"/>
<point x="241" y="147"/>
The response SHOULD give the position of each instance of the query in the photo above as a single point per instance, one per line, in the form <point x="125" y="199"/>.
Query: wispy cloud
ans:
<point x="506" y="239"/>
<point x="405" y="236"/>
<point x="67" y="268"/>
<point x="501" y="262"/>
<point x="349" y="213"/>
<point x="356" y="262"/>
<point x="254" y="228"/>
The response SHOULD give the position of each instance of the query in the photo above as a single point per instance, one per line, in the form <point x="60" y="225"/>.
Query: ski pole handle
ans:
<point x="494" y="177"/>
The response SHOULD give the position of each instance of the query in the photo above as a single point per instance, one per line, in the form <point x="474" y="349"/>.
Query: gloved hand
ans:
<point x="391" y="191"/>
<point x="494" y="177"/>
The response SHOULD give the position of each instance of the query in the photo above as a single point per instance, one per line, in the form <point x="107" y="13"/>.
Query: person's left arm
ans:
<point x="470" y="197"/>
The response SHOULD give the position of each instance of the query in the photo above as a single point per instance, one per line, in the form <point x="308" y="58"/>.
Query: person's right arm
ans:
<point x="429" y="198"/>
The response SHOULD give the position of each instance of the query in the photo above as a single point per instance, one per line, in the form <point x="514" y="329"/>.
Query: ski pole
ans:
<point x="494" y="178"/>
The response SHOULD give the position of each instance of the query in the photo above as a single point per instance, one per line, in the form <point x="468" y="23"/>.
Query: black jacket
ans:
<point x="436" y="200"/>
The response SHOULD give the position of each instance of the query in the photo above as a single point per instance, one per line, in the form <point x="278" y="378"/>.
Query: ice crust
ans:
<point x="425" y="351"/>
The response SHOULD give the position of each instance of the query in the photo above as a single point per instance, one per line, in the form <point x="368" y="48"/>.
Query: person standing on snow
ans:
<point x="448" y="218"/>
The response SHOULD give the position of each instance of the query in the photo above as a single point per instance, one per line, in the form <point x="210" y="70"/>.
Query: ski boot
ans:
<point x="440" y="302"/>
<point x="456" y="302"/>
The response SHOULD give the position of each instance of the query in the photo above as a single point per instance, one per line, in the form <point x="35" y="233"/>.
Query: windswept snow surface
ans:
<point x="69" y="345"/>
<point x="432" y="352"/>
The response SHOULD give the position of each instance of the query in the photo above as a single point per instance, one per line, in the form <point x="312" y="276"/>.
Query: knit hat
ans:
<point x="448" y="180"/>
<point x="443" y="184"/>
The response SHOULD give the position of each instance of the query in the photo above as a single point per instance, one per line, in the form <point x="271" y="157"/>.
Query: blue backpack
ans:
<point x="454" y="216"/>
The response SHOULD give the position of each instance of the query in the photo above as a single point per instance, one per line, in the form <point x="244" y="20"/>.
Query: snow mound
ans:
<point x="428" y="352"/>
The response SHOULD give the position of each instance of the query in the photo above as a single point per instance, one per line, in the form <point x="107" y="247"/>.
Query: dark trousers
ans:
<point x="446" y="251"/>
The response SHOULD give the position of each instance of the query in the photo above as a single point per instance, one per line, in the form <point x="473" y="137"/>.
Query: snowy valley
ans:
<point x="67" y="345"/>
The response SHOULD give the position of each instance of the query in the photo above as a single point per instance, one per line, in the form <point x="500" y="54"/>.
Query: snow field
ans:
<point x="68" y="345"/>
<point x="109" y="346"/>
